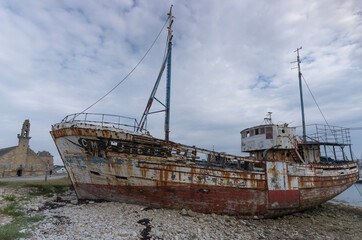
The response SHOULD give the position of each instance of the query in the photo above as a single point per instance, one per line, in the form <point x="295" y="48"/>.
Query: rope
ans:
<point x="149" y="49"/>
<point x="355" y="184"/>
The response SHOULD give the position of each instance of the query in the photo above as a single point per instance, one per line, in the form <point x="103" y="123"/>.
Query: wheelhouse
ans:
<point x="267" y="136"/>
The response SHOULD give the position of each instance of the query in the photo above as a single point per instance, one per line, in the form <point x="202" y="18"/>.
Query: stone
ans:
<point x="159" y="234"/>
<point x="33" y="208"/>
<point x="183" y="212"/>
<point x="191" y="213"/>
<point x="242" y="222"/>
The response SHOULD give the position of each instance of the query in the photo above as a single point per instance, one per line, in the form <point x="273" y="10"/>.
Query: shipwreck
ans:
<point x="115" y="158"/>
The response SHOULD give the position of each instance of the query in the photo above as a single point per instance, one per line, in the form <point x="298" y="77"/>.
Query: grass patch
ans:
<point x="11" y="231"/>
<point x="54" y="182"/>
<point x="9" y="197"/>
<point x="46" y="188"/>
<point x="3" y="183"/>
<point x="25" y="220"/>
<point x="34" y="219"/>
<point x="12" y="210"/>
<point x="20" y="221"/>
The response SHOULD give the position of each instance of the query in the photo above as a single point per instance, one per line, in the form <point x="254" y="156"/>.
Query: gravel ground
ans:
<point x="66" y="218"/>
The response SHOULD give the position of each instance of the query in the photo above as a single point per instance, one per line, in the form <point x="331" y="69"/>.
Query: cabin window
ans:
<point x="262" y="130"/>
<point x="251" y="132"/>
<point x="269" y="133"/>
<point x="257" y="131"/>
<point x="247" y="134"/>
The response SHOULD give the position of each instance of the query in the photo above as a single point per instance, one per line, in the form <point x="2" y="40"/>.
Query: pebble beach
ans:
<point x="64" y="217"/>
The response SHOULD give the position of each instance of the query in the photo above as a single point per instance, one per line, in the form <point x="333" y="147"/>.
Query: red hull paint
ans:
<point x="283" y="199"/>
<point x="217" y="200"/>
<point x="241" y="202"/>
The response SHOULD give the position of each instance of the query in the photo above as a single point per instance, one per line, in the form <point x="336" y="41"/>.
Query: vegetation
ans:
<point x="9" y="197"/>
<point x="47" y="188"/>
<point x="12" y="210"/>
<point x="20" y="225"/>
<point x="53" y="182"/>
<point x="11" y="231"/>
<point x="20" y="221"/>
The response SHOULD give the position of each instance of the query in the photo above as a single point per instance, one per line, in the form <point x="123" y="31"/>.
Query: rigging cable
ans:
<point x="149" y="49"/>
<point x="360" y="193"/>
<point x="320" y="110"/>
<point x="154" y="97"/>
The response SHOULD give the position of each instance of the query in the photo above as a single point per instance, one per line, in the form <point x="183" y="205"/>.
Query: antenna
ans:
<point x="268" y="118"/>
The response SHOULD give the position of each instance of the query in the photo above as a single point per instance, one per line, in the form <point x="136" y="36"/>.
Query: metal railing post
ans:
<point x="350" y="150"/>
<point x="334" y="153"/>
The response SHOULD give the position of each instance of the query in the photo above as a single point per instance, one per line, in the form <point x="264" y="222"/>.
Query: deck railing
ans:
<point x="104" y="120"/>
<point x="328" y="134"/>
<point x="335" y="142"/>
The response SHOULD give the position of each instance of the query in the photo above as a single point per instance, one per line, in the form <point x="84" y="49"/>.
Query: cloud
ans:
<point x="230" y="65"/>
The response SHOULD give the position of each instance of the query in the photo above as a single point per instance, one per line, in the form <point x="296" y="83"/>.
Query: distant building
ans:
<point x="59" y="169"/>
<point x="21" y="160"/>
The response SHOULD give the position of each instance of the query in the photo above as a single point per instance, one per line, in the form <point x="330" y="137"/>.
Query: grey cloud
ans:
<point x="59" y="57"/>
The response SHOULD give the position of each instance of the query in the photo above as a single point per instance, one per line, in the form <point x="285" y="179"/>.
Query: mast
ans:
<point x="168" y="84"/>
<point x="301" y="93"/>
<point x="166" y="63"/>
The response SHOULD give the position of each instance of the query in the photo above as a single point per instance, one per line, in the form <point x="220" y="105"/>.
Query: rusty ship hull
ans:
<point x="119" y="165"/>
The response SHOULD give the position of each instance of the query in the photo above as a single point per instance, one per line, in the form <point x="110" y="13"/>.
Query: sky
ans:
<point x="231" y="64"/>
